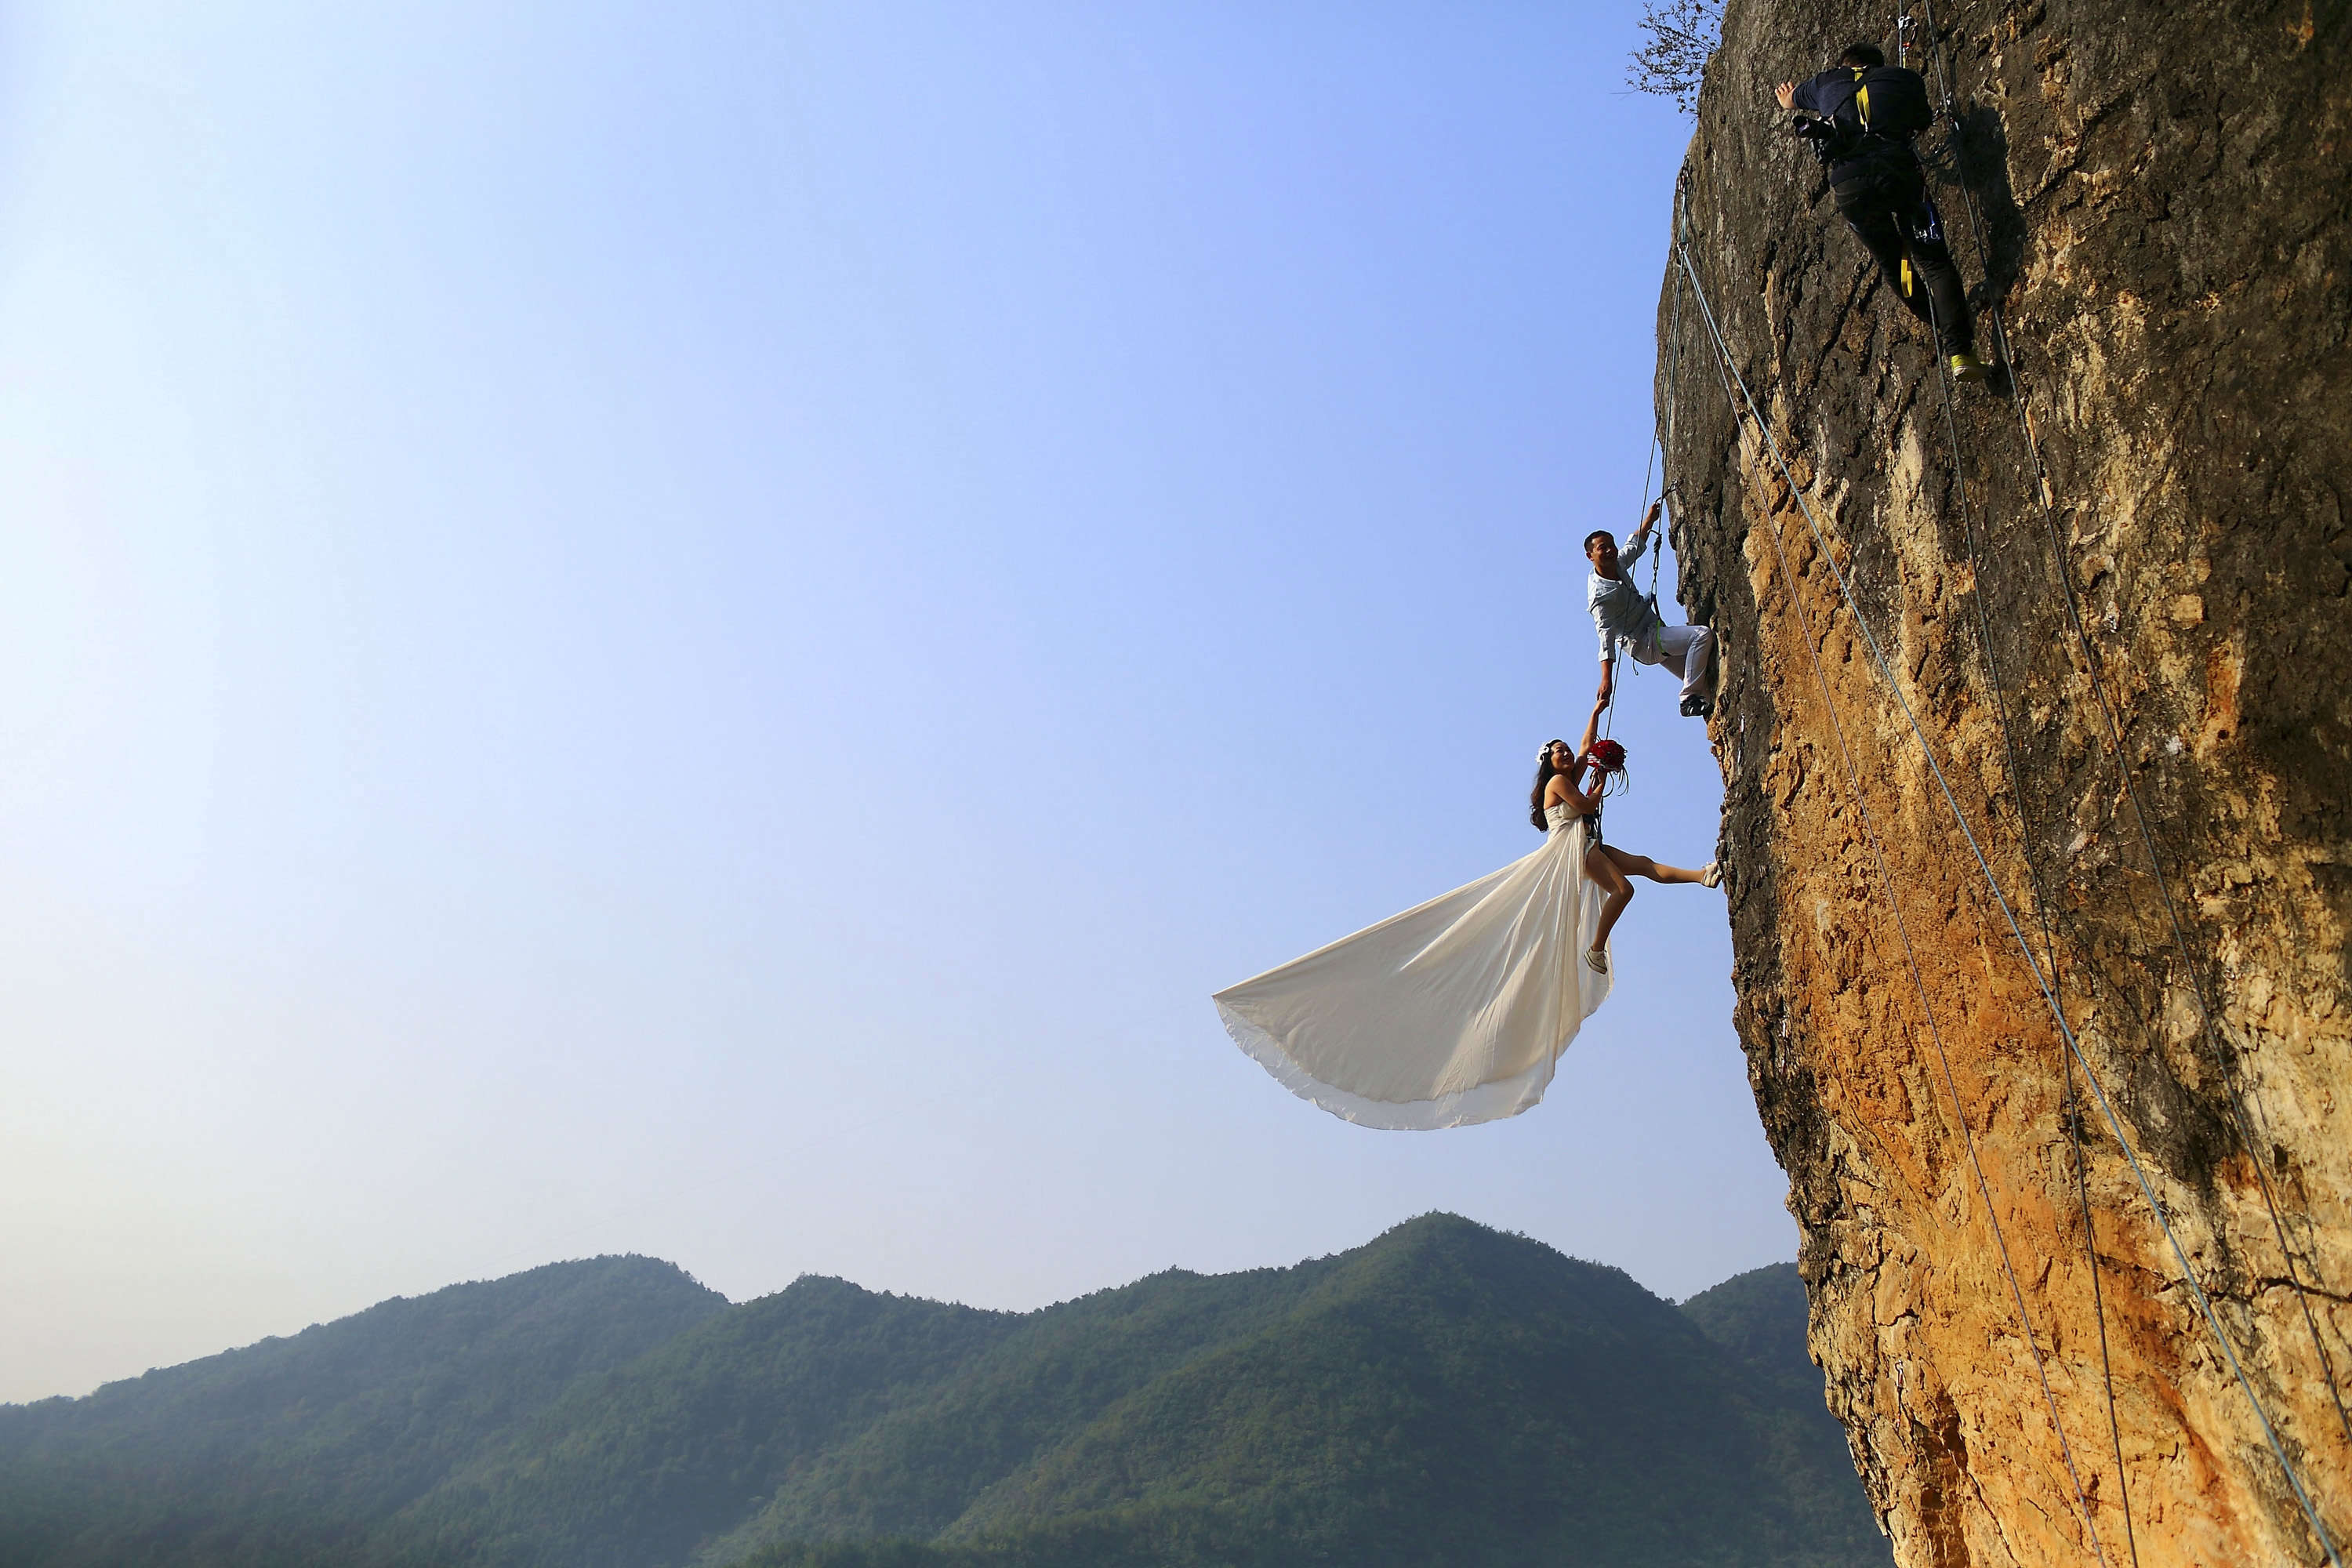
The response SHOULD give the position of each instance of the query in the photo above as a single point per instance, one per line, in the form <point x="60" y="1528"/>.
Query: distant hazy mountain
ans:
<point x="1445" y="1396"/>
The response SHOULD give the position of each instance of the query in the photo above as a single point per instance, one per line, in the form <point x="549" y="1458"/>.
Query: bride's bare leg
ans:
<point x="1600" y="863"/>
<point x="1643" y="865"/>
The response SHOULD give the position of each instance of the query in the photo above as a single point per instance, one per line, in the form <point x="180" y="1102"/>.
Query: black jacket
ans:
<point x="1859" y="119"/>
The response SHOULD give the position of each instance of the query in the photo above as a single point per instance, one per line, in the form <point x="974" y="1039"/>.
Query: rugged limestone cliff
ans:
<point x="2162" y="193"/>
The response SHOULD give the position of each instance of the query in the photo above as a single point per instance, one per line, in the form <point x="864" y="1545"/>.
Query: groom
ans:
<point x="1625" y="617"/>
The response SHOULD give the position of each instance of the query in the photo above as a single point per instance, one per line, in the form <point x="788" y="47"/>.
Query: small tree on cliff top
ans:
<point x="1682" y="35"/>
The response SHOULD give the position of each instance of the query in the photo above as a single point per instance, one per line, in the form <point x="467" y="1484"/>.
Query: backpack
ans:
<point x="1878" y="111"/>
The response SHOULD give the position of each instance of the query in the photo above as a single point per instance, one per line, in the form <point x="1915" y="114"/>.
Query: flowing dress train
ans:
<point x="1451" y="1013"/>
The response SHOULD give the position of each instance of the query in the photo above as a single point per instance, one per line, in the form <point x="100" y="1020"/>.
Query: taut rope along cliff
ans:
<point x="2221" y="126"/>
<point x="1659" y="445"/>
<point x="1745" y="402"/>
<point x="2192" y="965"/>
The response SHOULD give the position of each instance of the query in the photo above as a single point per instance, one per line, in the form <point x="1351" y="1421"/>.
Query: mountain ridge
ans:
<point x="1445" y="1393"/>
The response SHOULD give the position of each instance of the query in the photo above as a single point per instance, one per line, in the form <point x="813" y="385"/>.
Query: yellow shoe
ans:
<point x="1968" y="367"/>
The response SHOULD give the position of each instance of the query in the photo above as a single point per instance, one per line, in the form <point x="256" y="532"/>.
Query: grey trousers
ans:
<point x="1688" y="651"/>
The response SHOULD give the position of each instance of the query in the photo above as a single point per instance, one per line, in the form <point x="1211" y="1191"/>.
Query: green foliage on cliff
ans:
<point x="1445" y="1394"/>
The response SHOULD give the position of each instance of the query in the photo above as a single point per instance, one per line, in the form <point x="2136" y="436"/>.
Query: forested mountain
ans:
<point x="1445" y="1394"/>
<point x="293" y="1447"/>
<point x="1760" y="1316"/>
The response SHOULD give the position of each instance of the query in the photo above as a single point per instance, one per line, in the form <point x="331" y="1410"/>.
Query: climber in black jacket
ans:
<point x="1860" y="117"/>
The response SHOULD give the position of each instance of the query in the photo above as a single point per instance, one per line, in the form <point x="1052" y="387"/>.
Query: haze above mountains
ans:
<point x="1445" y="1393"/>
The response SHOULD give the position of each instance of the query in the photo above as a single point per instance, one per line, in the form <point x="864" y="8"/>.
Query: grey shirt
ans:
<point x="1620" y="611"/>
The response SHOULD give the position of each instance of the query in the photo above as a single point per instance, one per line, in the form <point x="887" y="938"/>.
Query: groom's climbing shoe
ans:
<point x="1968" y="367"/>
<point x="1696" y="707"/>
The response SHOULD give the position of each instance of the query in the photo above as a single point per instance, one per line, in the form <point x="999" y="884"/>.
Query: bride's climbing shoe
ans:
<point x="1713" y="876"/>
<point x="1968" y="367"/>
<point x="1598" y="959"/>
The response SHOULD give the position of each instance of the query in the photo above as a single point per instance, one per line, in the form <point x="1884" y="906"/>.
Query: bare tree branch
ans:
<point x="1683" y="34"/>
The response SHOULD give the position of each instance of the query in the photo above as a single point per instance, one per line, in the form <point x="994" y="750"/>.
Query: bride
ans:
<point x="1453" y="1012"/>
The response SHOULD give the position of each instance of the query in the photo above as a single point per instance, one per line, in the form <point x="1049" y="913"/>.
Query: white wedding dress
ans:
<point x="1448" y="1013"/>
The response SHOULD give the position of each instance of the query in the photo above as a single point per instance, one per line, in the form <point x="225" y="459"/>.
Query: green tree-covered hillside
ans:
<point x="307" y="1441"/>
<point x="1445" y="1394"/>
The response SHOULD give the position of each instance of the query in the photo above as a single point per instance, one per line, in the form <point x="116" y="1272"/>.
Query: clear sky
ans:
<point x="701" y="630"/>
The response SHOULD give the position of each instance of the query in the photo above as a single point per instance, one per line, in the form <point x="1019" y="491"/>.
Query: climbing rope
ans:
<point x="2070" y="1114"/>
<point x="2015" y="772"/>
<point x="1911" y="957"/>
<point x="2210" y="1029"/>
<point x="1660" y="444"/>
<point x="1655" y="460"/>
<point x="1884" y="671"/>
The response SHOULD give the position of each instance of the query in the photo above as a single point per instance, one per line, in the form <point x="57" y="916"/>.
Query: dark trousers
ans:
<point x="1888" y="208"/>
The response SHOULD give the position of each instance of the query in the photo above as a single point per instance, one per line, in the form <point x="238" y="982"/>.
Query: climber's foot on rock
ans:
<point x="1597" y="959"/>
<point x="1696" y="706"/>
<point x="1968" y="367"/>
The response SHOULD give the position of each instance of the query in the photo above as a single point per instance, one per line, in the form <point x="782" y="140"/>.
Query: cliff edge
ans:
<point x="2112" y="609"/>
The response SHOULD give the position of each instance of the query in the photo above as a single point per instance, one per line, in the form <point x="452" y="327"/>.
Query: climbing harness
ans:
<point x="1880" y="663"/>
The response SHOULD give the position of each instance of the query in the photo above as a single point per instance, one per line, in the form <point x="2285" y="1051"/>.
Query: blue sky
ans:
<point x="703" y="630"/>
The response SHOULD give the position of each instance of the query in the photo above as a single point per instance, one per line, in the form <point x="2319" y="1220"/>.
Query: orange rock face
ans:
<point x="2093" y="627"/>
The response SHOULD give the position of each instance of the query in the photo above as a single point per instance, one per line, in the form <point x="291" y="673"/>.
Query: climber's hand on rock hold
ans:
<point x="1787" y="93"/>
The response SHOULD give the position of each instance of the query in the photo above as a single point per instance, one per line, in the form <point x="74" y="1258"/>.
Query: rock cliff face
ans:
<point x="2160" y="195"/>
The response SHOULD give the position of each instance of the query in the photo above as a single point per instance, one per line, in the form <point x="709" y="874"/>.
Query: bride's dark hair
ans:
<point x="1544" y="770"/>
